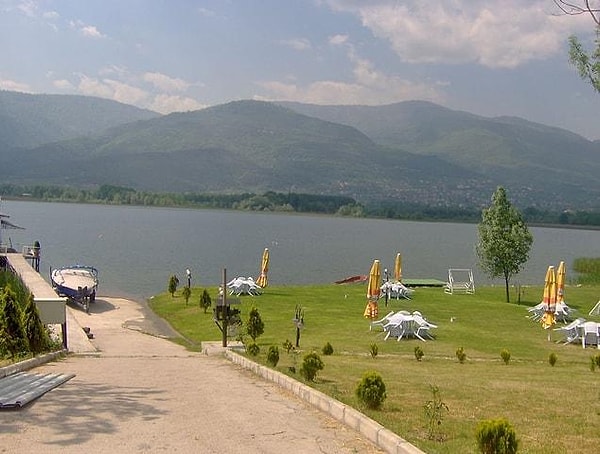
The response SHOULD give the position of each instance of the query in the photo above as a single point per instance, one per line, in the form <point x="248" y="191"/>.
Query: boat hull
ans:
<point x="78" y="283"/>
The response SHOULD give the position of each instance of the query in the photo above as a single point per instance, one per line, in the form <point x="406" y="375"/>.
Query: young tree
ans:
<point x="173" y="283"/>
<point x="504" y="239"/>
<point x="254" y="326"/>
<point x="12" y="335"/>
<point x="186" y="293"/>
<point x="205" y="301"/>
<point x="39" y="340"/>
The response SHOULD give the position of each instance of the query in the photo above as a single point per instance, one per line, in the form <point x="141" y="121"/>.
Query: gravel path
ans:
<point x="135" y="392"/>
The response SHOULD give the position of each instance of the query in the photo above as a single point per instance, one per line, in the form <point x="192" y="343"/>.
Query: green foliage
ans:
<point x="172" y="287"/>
<point x="374" y="350"/>
<point x="371" y="390"/>
<point x="419" y="353"/>
<point x="273" y="355"/>
<point x="13" y="340"/>
<point x="435" y="409"/>
<point x="496" y="436"/>
<point x="327" y="349"/>
<point x="205" y="301"/>
<point x="587" y="64"/>
<point x="186" y="293"/>
<point x="461" y="355"/>
<point x="594" y="362"/>
<point x="311" y="365"/>
<point x="252" y="348"/>
<point x="288" y="346"/>
<point x="254" y="325"/>
<point x="37" y="336"/>
<point x="505" y="355"/>
<point x="552" y="358"/>
<point x="588" y="270"/>
<point x="504" y="239"/>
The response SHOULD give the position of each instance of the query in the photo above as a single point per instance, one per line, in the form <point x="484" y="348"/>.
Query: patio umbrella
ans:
<point x="373" y="290"/>
<point x="398" y="268"/>
<point x="264" y="269"/>
<point x="549" y="300"/>
<point x="560" y="283"/>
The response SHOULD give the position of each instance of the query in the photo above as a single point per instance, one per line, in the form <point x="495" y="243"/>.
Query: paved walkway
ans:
<point x="135" y="392"/>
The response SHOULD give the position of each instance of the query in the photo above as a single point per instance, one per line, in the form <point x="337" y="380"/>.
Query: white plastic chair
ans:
<point x="381" y="321"/>
<point x="423" y="326"/>
<point x="572" y="330"/>
<point x="589" y="333"/>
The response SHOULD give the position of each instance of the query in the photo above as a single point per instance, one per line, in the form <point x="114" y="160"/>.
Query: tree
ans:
<point x="254" y="326"/>
<point x="186" y="293"/>
<point x="587" y="64"/>
<point x="173" y="283"/>
<point x="504" y="239"/>
<point x="205" y="301"/>
<point x="12" y="335"/>
<point x="39" y="340"/>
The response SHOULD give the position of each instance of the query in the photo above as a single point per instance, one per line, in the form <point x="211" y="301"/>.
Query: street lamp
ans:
<point x="189" y="277"/>
<point x="387" y="288"/>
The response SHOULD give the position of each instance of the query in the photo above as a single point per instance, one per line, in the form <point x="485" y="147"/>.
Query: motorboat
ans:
<point x="78" y="283"/>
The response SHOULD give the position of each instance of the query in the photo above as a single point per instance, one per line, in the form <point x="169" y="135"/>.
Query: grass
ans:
<point x="553" y="409"/>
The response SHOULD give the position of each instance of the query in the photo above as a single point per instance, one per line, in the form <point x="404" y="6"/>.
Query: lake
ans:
<point x="136" y="249"/>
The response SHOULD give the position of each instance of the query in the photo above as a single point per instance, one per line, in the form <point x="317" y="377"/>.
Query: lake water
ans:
<point x="136" y="249"/>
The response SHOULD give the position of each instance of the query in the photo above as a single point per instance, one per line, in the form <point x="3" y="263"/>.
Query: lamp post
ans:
<point x="387" y="288"/>
<point x="189" y="277"/>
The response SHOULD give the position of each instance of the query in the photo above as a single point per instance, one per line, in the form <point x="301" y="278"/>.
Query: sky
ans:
<point x="486" y="57"/>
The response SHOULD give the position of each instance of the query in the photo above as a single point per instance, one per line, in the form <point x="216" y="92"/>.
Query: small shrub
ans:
<point x="254" y="325"/>
<point x="311" y="364"/>
<point x="496" y="436"/>
<point x="374" y="350"/>
<point x="552" y="358"/>
<point x="461" y="355"/>
<point x="434" y="412"/>
<point x="287" y="346"/>
<point x="252" y="348"/>
<point x="594" y="362"/>
<point x="327" y="349"/>
<point x="205" y="301"/>
<point x="419" y="353"/>
<point x="273" y="355"/>
<point x="371" y="390"/>
<point x="505" y="355"/>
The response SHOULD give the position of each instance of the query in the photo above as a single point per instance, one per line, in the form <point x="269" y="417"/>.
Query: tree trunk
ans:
<point x="507" y="292"/>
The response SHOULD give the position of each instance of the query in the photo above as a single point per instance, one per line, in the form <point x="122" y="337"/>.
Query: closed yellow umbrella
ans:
<point x="398" y="268"/>
<point x="264" y="269"/>
<point x="560" y="283"/>
<point x="549" y="299"/>
<point x="373" y="291"/>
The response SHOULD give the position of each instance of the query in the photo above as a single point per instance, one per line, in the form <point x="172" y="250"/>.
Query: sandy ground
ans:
<point x="142" y="393"/>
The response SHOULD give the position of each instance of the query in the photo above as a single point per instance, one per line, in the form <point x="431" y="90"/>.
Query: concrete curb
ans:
<point x="31" y="363"/>
<point x="383" y="438"/>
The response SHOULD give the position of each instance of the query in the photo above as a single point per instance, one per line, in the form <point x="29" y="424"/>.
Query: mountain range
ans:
<point x="409" y="152"/>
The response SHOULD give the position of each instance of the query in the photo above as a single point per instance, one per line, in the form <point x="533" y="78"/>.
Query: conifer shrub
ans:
<point x="419" y="353"/>
<point x="552" y="358"/>
<point x="461" y="355"/>
<point x="496" y="436"/>
<point x="505" y="355"/>
<point x="374" y="350"/>
<point x="273" y="355"/>
<point x="371" y="390"/>
<point x="327" y="349"/>
<point x="311" y="365"/>
<point x="252" y="348"/>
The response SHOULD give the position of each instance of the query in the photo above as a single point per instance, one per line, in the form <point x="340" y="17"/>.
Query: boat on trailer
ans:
<point x="78" y="283"/>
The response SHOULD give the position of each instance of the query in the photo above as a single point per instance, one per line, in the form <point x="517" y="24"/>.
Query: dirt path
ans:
<point x="142" y="393"/>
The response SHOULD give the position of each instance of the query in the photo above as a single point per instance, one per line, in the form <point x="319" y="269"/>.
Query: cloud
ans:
<point x="11" y="85"/>
<point x="86" y="30"/>
<point x="63" y="84"/>
<point x="166" y="83"/>
<point x="297" y="43"/>
<point x="485" y="32"/>
<point x="337" y="40"/>
<point x="166" y="104"/>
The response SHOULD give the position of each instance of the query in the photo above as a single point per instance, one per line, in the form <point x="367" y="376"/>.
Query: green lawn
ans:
<point x="553" y="409"/>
